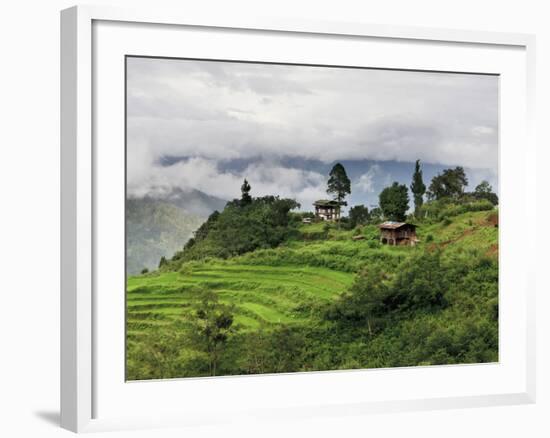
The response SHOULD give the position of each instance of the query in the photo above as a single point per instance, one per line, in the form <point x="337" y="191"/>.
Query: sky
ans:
<point x="207" y="125"/>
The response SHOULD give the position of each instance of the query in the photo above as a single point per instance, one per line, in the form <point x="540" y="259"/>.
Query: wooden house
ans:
<point x="327" y="210"/>
<point x="398" y="233"/>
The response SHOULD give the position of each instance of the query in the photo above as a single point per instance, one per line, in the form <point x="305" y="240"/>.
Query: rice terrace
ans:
<point x="289" y="218"/>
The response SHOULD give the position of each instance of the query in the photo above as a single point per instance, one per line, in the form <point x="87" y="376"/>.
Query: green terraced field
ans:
<point x="262" y="295"/>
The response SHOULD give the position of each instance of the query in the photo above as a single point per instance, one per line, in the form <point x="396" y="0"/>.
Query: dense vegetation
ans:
<point x="323" y="301"/>
<point x="243" y="226"/>
<point x="259" y="290"/>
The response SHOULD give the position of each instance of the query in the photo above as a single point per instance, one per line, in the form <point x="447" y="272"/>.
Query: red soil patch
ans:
<point x="493" y="250"/>
<point x="492" y="219"/>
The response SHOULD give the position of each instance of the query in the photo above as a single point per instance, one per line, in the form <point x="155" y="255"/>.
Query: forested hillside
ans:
<point x="320" y="300"/>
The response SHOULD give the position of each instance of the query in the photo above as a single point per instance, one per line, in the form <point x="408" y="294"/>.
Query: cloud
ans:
<point x="209" y="112"/>
<point x="265" y="177"/>
<point x="365" y="182"/>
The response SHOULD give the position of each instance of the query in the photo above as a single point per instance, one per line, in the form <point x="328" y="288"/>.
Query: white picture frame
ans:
<point x="82" y="379"/>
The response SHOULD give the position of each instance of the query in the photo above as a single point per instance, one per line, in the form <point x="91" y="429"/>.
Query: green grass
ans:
<point x="268" y="286"/>
<point x="262" y="295"/>
<point x="285" y="286"/>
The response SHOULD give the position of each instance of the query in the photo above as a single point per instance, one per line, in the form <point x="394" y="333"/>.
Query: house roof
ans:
<point x="391" y="225"/>
<point x="325" y="203"/>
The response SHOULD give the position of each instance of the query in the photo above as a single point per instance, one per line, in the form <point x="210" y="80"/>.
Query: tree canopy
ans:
<point x="245" y="193"/>
<point x="262" y="223"/>
<point x="484" y="191"/>
<point x="211" y="327"/>
<point x="448" y="184"/>
<point x="339" y="185"/>
<point x="418" y="188"/>
<point x="394" y="202"/>
<point x="358" y="215"/>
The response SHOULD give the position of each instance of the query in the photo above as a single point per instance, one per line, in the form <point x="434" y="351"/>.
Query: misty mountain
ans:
<point x="160" y="226"/>
<point x="155" y="228"/>
<point x="191" y="201"/>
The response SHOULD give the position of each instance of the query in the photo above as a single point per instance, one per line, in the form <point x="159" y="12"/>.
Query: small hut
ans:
<point x="327" y="210"/>
<point x="398" y="233"/>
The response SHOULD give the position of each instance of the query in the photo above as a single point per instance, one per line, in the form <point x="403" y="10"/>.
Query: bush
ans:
<point x="371" y="232"/>
<point x="446" y="208"/>
<point x="418" y="284"/>
<point x="373" y="244"/>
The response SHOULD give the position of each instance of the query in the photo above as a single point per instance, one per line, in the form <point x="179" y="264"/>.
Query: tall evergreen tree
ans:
<point x="245" y="193"/>
<point x="339" y="185"/>
<point x="418" y="188"/>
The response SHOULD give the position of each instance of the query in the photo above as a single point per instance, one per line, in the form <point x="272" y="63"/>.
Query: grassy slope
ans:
<point x="261" y="294"/>
<point x="282" y="285"/>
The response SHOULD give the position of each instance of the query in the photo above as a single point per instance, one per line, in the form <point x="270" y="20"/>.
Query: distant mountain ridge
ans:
<point x="191" y="201"/>
<point x="159" y="226"/>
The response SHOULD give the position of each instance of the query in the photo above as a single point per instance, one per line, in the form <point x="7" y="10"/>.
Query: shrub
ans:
<point x="447" y="208"/>
<point x="373" y="244"/>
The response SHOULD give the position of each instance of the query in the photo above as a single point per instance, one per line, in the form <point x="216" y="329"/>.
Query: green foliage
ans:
<point x="144" y="271"/>
<point x="448" y="184"/>
<point x="364" y="302"/>
<point x="339" y="185"/>
<point x="263" y="223"/>
<point x="394" y="202"/>
<point x="322" y="303"/>
<point x="211" y="326"/>
<point x="484" y="191"/>
<point x="446" y="208"/>
<point x="358" y="215"/>
<point x="376" y="216"/>
<point x="373" y="244"/>
<point x="418" y="188"/>
<point x="245" y="194"/>
<point x="202" y="232"/>
<point x="419" y="284"/>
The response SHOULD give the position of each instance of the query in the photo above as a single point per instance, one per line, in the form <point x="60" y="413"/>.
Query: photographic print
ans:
<point x="293" y="218"/>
